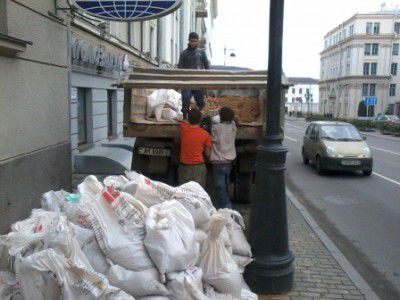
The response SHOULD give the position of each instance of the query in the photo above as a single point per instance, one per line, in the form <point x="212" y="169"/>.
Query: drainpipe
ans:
<point x="141" y="37"/>
<point x="159" y="42"/>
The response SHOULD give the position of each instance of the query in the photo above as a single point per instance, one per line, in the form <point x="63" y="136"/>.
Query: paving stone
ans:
<point x="317" y="273"/>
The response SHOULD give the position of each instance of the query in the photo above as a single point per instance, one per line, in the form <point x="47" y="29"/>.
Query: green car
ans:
<point x="336" y="146"/>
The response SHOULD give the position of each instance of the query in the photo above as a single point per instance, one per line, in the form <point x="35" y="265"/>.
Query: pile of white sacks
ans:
<point x="127" y="238"/>
<point x="164" y="105"/>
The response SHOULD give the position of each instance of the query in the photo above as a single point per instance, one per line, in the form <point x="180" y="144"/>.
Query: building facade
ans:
<point x="35" y="150"/>
<point x="58" y="76"/>
<point x="302" y="95"/>
<point x="360" y="59"/>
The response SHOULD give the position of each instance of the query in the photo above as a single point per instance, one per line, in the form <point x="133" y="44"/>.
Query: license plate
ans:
<point x="154" y="151"/>
<point x="351" y="162"/>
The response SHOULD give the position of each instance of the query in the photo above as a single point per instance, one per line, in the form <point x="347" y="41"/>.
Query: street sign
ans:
<point x="371" y="101"/>
<point x="128" y="11"/>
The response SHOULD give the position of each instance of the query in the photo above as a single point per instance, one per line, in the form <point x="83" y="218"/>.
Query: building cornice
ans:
<point x="359" y="16"/>
<point x="358" y="79"/>
<point x="361" y="37"/>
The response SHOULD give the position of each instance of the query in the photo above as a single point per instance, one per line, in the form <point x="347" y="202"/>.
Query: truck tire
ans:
<point x="242" y="187"/>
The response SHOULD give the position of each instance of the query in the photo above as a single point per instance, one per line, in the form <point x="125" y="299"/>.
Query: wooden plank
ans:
<point x="196" y="77"/>
<point x="190" y="71"/>
<point x="212" y="84"/>
<point x="173" y="131"/>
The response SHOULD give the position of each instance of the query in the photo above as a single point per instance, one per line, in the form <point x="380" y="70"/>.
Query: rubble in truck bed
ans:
<point x="247" y="109"/>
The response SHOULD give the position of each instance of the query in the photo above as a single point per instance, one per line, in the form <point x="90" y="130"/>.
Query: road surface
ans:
<point x="360" y="214"/>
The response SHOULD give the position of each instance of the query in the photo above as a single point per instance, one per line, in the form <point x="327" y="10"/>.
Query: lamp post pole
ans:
<point x="272" y="270"/>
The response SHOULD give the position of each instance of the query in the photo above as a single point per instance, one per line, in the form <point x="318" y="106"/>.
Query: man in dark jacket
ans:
<point x="193" y="58"/>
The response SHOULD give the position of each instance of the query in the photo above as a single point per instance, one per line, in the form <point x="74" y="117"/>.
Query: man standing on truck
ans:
<point x="195" y="146"/>
<point x="193" y="58"/>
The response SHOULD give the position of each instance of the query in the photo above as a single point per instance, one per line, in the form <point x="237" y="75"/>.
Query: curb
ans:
<point x="351" y="272"/>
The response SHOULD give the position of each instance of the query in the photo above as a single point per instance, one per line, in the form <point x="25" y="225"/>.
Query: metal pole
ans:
<point x="272" y="270"/>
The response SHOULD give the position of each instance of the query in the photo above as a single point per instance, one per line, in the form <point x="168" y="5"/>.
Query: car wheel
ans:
<point x="367" y="173"/>
<point x="318" y="166"/>
<point x="305" y="159"/>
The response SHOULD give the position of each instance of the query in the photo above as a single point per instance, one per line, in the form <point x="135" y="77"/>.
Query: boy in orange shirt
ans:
<point x="195" y="146"/>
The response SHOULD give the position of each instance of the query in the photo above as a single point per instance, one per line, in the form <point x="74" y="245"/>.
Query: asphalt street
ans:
<point x="360" y="214"/>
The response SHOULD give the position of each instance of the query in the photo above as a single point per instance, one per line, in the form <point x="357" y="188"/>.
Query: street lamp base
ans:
<point x="271" y="277"/>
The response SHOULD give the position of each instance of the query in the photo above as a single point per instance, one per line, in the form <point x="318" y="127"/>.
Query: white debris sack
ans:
<point x="240" y="246"/>
<point x="212" y="294"/>
<point x="219" y="268"/>
<point x="137" y="283"/>
<point x="153" y="298"/>
<point x="90" y="186"/>
<point x="170" y="237"/>
<point x="196" y="200"/>
<point x="247" y="295"/>
<point x="147" y="191"/>
<point x="156" y="102"/>
<point x="224" y="234"/>
<point x="9" y="287"/>
<point x="168" y="114"/>
<point x="122" y="246"/>
<point x="116" y="182"/>
<point x="96" y="257"/>
<point x="200" y="236"/>
<point x="186" y="284"/>
<point x="75" y="277"/>
<point x="242" y="261"/>
<point x="174" y="100"/>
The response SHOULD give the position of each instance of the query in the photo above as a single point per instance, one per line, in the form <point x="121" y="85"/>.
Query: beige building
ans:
<point x="361" y="59"/>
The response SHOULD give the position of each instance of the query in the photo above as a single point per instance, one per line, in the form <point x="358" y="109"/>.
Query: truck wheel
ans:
<point x="242" y="187"/>
<point x="367" y="172"/>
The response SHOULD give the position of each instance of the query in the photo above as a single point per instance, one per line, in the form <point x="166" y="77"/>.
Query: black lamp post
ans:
<point x="272" y="270"/>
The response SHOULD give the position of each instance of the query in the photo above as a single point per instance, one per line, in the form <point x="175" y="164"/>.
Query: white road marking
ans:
<point x="295" y="126"/>
<point x="291" y="139"/>
<point x="380" y="149"/>
<point x="386" y="178"/>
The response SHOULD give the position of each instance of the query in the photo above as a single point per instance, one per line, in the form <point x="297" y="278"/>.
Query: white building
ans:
<point x="360" y="59"/>
<point x="303" y="95"/>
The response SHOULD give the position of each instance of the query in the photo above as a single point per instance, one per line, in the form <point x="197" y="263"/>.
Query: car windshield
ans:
<point x="339" y="132"/>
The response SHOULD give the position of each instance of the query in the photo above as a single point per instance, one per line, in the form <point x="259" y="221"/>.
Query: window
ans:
<point x="372" y="89"/>
<point x="397" y="28"/>
<point x="300" y="91"/>
<point x="326" y="44"/>
<point x="377" y="27"/>
<point x="293" y="99"/>
<point x="293" y="91"/>
<point x="109" y="113"/>
<point x="392" y="91"/>
<point x="365" y="89"/>
<point x="393" y="69"/>
<point x="152" y="42"/>
<point x="82" y="117"/>
<point x="348" y="69"/>
<point x="366" y="69"/>
<point x="344" y="33"/>
<point x="348" y="52"/>
<point x="395" y="50"/>
<point x="374" y="67"/>
<point x="351" y="30"/>
<point x="369" y="28"/>
<point x="3" y="17"/>
<point x="375" y="49"/>
<point x="307" y="91"/>
<point x="367" y="49"/>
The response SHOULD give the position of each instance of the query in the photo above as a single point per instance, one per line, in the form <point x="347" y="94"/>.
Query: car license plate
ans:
<point x="154" y="151"/>
<point x="351" y="162"/>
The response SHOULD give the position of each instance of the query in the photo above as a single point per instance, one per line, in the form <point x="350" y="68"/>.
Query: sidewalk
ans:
<point x="321" y="270"/>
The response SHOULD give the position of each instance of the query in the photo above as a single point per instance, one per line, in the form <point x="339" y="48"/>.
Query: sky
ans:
<point x="243" y="26"/>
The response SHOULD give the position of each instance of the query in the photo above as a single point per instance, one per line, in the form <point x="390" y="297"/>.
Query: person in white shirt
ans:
<point x="223" y="152"/>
